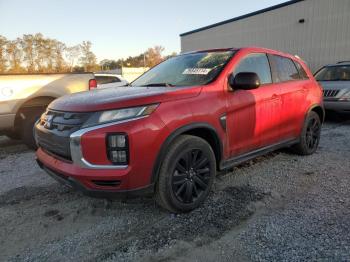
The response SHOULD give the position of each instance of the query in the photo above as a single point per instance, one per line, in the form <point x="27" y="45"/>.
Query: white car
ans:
<point x="105" y="80"/>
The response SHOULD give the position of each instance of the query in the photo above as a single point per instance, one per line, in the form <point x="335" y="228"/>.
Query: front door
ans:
<point x="253" y="116"/>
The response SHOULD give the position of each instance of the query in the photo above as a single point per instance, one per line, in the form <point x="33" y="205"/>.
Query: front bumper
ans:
<point x="341" y="106"/>
<point x="77" y="185"/>
<point x="89" y="169"/>
<point x="83" y="180"/>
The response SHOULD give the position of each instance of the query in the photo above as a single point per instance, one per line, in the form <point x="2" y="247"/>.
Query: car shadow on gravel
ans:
<point x="223" y="211"/>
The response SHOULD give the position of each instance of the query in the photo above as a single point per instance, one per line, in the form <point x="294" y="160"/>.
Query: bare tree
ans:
<point x="28" y="46"/>
<point x="72" y="54"/>
<point x="59" y="48"/>
<point x="3" y="60"/>
<point x="14" y="56"/>
<point x="153" y="56"/>
<point x="88" y="59"/>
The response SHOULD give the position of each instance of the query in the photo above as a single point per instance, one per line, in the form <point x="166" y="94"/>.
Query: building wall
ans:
<point x="324" y="37"/>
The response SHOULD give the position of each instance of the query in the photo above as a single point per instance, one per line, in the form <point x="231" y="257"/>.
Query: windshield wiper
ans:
<point x="160" y="84"/>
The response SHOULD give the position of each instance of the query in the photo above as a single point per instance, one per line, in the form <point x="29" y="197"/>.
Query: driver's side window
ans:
<point x="256" y="63"/>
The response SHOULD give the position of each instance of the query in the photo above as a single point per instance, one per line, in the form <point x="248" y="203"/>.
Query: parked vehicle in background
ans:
<point x="110" y="80"/>
<point x="180" y="122"/>
<point x="24" y="97"/>
<point x="335" y="81"/>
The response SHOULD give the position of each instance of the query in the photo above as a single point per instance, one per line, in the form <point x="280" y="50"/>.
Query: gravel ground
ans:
<point x="280" y="207"/>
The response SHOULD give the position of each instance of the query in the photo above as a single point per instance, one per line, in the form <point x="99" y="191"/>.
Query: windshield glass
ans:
<point x="186" y="70"/>
<point x="334" y="73"/>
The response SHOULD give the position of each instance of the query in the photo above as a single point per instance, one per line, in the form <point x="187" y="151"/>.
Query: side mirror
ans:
<point x="244" y="81"/>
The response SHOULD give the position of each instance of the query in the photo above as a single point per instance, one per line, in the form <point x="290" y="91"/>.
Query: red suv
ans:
<point x="174" y="127"/>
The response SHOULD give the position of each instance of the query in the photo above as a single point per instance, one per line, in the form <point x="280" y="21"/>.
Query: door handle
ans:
<point x="274" y="96"/>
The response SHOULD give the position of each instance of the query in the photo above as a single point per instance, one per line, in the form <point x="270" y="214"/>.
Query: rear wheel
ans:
<point x="310" y="136"/>
<point x="186" y="175"/>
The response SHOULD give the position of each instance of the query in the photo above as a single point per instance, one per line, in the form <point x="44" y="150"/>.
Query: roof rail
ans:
<point x="340" y="62"/>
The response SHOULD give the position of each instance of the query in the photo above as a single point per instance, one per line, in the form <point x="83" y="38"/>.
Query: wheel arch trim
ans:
<point x="317" y="106"/>
<point x="179" y="131"/>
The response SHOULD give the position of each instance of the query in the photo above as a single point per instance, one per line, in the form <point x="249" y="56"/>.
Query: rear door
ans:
<point x="253" y="115"/>
<point x="293" y="83"/>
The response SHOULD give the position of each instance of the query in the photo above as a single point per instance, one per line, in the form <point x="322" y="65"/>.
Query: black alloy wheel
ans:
<point x="310" y="135"/>
<point x="186" y="174"/>
<point x="191" y="176"/>
<point x="313" y="133"/>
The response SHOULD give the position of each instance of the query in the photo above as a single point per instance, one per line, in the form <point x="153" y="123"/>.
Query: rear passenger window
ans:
<point x="285" y="69"/>
<point x="256" y="63"/>
<point x="301" y="70"/>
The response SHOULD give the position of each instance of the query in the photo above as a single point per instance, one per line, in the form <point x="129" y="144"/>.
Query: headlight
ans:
<point x="345" y="97"/>
<point x="119" y="114"/>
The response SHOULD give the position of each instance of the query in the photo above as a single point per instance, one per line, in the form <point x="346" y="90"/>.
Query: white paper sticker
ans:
<point x="196" y="71"/>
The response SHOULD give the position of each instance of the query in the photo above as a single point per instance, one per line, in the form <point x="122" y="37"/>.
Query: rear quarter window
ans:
<point x="284" y="69"/>
<point x="302" y="73"/>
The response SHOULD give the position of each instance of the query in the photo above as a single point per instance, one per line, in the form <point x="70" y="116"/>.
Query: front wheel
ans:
<point x="186" y="175"/>
<point x="310" y="135"/>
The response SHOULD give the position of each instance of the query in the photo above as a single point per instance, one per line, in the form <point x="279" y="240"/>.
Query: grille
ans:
<point x="330" y="93"/>
<point x="54" y="130"/>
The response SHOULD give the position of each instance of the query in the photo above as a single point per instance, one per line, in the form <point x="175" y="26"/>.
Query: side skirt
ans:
<point x="253" y="154"/>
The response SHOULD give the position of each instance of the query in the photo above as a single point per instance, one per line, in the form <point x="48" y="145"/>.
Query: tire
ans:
<point x="186" y="175"/>
<point x="310" y="135"/>
<point x="29" y="117"/>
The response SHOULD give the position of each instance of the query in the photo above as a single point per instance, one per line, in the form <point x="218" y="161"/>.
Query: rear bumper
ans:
<point x="337" y="105"/>
<point x="7" y="122"/>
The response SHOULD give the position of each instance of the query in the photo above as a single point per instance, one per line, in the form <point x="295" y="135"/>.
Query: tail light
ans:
<point x="118" y="149"/>
<point x="92" y="84"/>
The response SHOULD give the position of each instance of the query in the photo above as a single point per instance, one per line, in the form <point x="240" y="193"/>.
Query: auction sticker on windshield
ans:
<point x="196" y="71"/>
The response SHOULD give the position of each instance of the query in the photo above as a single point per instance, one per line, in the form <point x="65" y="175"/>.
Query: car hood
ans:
<point x="120" y="97"/>
<point x="335" y="85"/>
<point x="342" y="87"/>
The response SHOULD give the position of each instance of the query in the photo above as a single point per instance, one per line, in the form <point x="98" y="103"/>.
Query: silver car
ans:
<point x="335" y="81"/>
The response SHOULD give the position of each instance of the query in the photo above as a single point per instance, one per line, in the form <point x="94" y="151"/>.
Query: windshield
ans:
<point x="186" y="70"/>
<point x="334" y="73"/>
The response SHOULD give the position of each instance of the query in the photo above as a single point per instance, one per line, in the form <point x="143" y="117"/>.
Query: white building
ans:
<point x="316" y="30"/>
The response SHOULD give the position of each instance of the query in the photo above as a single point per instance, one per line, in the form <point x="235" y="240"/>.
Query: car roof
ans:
<point x="249" y="48"/>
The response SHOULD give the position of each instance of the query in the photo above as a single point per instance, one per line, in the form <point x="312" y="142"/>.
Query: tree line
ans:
<point x="34" y="53"/>
<point x="150" y="58"/>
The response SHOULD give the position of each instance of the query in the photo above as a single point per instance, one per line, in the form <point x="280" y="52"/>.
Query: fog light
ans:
<point x="118" y="156"/>
<point x="117" y="141"/>
<point x="118" y="149"/>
